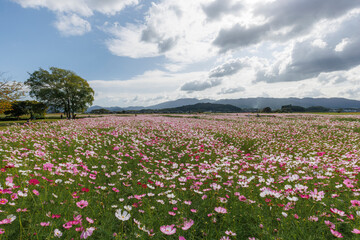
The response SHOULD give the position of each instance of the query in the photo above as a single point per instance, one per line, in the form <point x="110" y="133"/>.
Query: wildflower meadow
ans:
<point x="286" y="176"/>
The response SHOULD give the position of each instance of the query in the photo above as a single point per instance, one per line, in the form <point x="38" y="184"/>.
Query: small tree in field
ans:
<point x="61" y="89"/>
<point x="9" y="92"/>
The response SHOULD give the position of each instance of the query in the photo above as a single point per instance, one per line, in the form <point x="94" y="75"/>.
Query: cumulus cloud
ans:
<point x="80" y="7"/>
<point x="146" y="86"/>
<point x="231" y="90"/>
<point x="164" y="44"/>
<point x="229" y="68"/>
<point x="319" y="43"/>
<point x="72" y="25"/>
<point x="309" y="61"/>
<point x="240" y="36"/>
<point x="285" y="20"/>
<point x="341" y="46"/>
<point x="70" y="13"/>
<point x="195" y="86"/>
<point x="218" y="8"/>
<point x="183" y="38"/>
<point x="351" y="93"/>
<point x="256" y="42"/>
<point x="126" y="42"/>
<point x="332" y="78"/>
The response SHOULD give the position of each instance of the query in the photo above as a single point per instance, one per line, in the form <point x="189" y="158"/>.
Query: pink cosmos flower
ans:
<point x="230" y="233"/>
<point x="348" y="183"/>
<point x="67" y="225"/>
<point x="336" y="233"/>
<point x="14" y="196"/>
<point x="242" y="198"/>
<point x="329" y="224"/>
<point x="313" y="218"/>
<point x="168" y="229"/>
<point x="355" y="203"/>
<point x="225" y="238"/>
<point x="187" y="224"/>
<point x="337" y="211"/>
<point x="220" y="210"/>
<point x="2" y="231"/>
<point x="172" y="213"/>
<point x="89" y="220"/>
<point x="182" y="238"/>
<point x="36" y="192"/>
<point x="82" y="204"/>
<point x="356" y="231"/>
<point x="3" y="201"/>
<point x="44" y="224"/>
<point x="87" y="233"/>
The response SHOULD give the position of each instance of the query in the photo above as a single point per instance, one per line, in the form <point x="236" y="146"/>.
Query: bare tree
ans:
<point x="9" y="92"/>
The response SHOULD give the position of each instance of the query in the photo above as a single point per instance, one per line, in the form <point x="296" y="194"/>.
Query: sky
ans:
<point x="143" y="52"/>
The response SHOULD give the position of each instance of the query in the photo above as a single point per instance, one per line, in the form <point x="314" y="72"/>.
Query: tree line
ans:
<point x="59" y="89"/>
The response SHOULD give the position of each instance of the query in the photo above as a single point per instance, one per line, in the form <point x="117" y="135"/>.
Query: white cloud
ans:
<point x="110" y="7"/>
<point x="64" y="6"/>
<point x="195" y="86"/>
<point x="264" y="46"/>
<point x="80" y="7"/>
<point x="341" y="46"/>
<point x="71" y="13"/>
<point x="151" y="88"/>
<point x="183" y="38"/>
<point x="319" y="43"/>
<point x="126" y="42"/>
<point x="72" y="25"/>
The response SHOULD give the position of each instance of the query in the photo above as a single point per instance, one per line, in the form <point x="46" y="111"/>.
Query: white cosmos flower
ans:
<point x="128" y="208"/>
<point x="124" y="216"/>
<point x="292" y="199"/>
<point x="57" y="233"/>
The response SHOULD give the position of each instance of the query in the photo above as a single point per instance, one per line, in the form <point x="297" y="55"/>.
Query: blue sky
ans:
<point x="141" y="52"/>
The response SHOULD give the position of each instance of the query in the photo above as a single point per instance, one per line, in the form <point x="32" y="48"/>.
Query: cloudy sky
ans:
<point x="142" y="52"/>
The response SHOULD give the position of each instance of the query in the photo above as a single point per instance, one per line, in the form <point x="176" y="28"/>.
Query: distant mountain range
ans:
<point x="202" y="107"/>
<point x="249" y="103"/>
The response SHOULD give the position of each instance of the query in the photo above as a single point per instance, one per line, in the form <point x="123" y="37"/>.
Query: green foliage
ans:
<point x="266" y="110"/>
<point x="291" y="108"/>
<point x="203" y="107"/>
<point x="357" y="130"/>
<point x="100" y="111"/>
<point x="317" y="109"/>
<point x="350" y="119"/>
<point x="61" y="89"/>
<point x="31" y="108"/>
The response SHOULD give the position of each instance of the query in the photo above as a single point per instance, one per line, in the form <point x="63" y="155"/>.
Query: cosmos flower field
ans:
<point x="182" y="177"/>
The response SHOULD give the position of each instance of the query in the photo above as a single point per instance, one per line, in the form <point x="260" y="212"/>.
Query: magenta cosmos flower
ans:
<point x="168" y="229"/>
<point x="34" y="181"/>
<point x="82" y="204"/>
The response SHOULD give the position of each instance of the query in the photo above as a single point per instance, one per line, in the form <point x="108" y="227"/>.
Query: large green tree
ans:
<point x="61" y="90"/>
